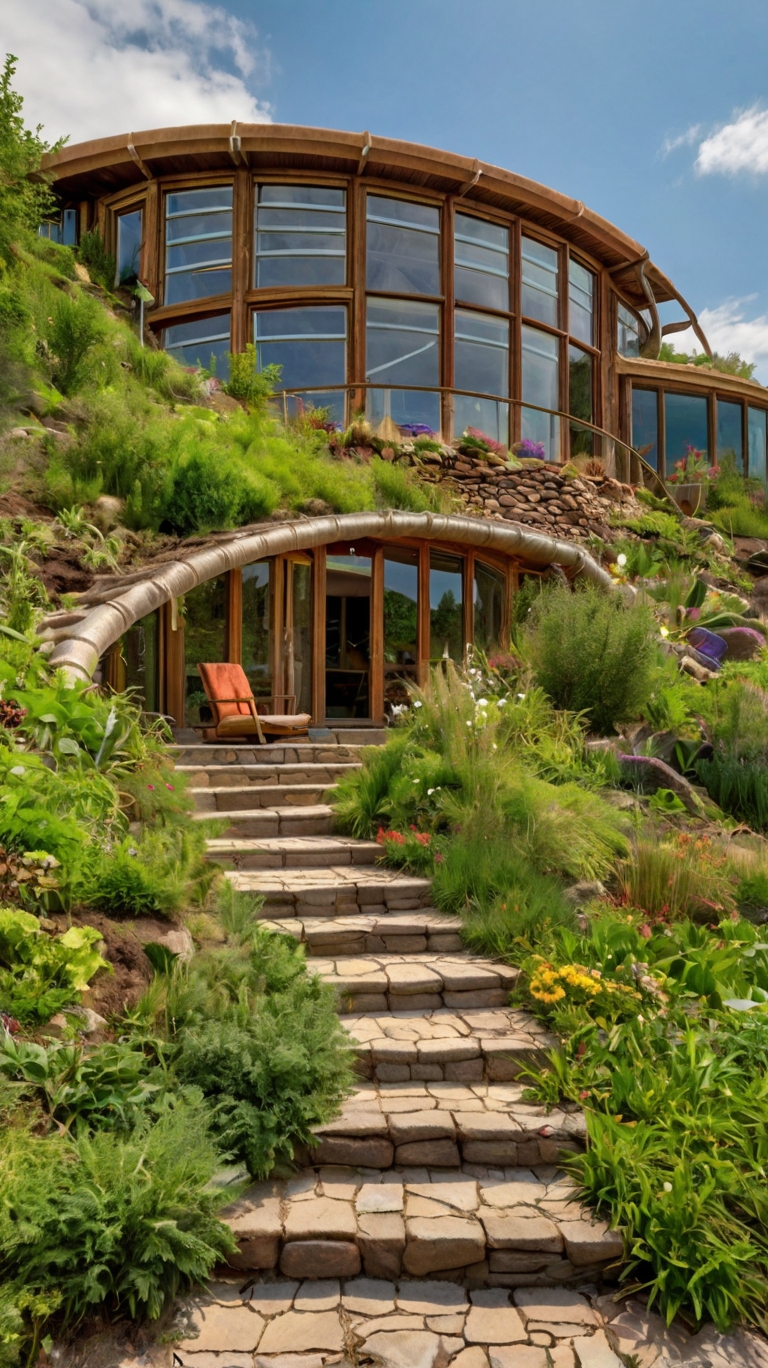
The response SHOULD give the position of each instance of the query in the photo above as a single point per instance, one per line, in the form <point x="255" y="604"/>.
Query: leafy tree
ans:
<point x="24" y="203"/>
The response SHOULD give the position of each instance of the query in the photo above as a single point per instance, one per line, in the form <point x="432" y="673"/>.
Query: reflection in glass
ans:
<point x="203" y="343"/>
<point x="686" y="424"/>
<point x="256" y="609"/>
<point x="481" y="256"/>
<point x="540" y="269"/>
<point x="481" y="363"/>
<point x="205" y="624"/>
<point x="300" y="235"/>
<point x="128" y="247"/>
<point x="730" y="442"/>
<point x="580" y="400"/>
<point x="310" y="346"/>
<point x="490" y="588"/>
<point x="581" y="297"/>
<point x="139" y="647"/>
<point x="348" y="636"/>
<point x="401" y="623"/>
<point x="645" y="425"/>
<point x="540" y="386"/>
<point x="198" y="250"/>
<point x="403" y="246"/>
<point x="756" y="428"/>
<point x="446" y="607"/>
<point x="402" y="344"/>
<point x="298" y="635"/>
<point x="629" y="332"/>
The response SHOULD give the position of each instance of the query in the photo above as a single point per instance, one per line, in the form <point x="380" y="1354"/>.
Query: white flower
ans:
<point x="414" y="781"/>
<point x="417" y="703"/>
<point x="482" y="702"/>
<point x="430" y="791"/>
<point x="469" y="724"/>
<point x="495" y="747"/>
<point x="521" y="697"/>
<point x="664" y="631"/>
<point x="501" y="702"/>
<point x="667" y="1187"/>
<point x="621" y="560"/>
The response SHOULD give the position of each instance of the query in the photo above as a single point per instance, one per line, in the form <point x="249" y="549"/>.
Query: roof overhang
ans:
<point x="105" y="166"/>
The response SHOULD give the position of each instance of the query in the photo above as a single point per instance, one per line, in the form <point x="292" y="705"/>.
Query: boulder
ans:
<point x="651" y="774"/>
<point x="743" y="643"/>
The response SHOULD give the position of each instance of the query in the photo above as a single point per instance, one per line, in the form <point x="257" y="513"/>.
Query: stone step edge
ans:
<point x="450" y="1233"/>
<point x="304" y="810"/>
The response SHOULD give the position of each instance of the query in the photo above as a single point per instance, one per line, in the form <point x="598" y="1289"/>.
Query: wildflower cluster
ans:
<point x="694" y="468"/>
<point x="580" y="986"/>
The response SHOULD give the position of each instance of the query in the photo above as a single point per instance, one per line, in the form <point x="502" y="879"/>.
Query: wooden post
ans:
<point x="356" y="230"/>
<point x="377" y="635"/>
<point x="469" y="600"/>
<point x="318" y="635"/>
<point x="234" y="616"/>
<point x="447" y="323"/>
<point x="242" y="236"/>
<point x="150" y="247"/>
<point x="423" y="620"/>
<point x="176" y="679"/>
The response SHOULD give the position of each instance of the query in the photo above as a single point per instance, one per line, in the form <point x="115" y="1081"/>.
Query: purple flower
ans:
<point x="532" y="451"/>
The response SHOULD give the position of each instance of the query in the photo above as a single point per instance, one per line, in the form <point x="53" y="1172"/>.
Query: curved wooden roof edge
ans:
<point x="81" y="643"/>
<point x="140" y="156"/>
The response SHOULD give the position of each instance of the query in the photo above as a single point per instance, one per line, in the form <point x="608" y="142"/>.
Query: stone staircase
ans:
<point x="435" y="1169"/>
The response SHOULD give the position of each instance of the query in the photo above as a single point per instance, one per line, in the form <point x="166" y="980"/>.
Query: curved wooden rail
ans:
<point x="83" y="639"/>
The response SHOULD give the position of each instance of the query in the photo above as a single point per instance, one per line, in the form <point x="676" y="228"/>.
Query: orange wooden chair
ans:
<point x="237" y="713"/>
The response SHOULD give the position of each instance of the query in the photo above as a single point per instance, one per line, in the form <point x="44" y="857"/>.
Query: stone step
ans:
<point x="410" y="982"/>
<point x="462" y="1046"/>
<point x="445" y="1124"/>
<point x="505" y="1227"/>
<point x="338" y="890"/>
<point x="429" y="1322"/>
<point x="292" y="852"/>
<point x="234" y="843"/>
<point x="405" y="934"/>
<point x="230" y="800"/>
<point x="222" y="777"/>
<point x="328" y="750"/>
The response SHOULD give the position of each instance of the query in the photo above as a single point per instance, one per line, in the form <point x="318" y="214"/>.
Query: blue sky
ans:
<point x="656" y="115"/>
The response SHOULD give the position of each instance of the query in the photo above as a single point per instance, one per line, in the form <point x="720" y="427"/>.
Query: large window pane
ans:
<point x="730" y="441"/>
<point x="541" y="386"/>
<point x="490" y="590"/>
<point x="481" y="256"/>
<point x="446" y="611"/>
<point x="139" y="649"/>
<point x="402" y="345"/>
<point x="756" y="425"/>
<point x="645" y="425"/>
<point x="581" y="296"/>
<point x="310" y="345"/>
<point x="631" y="332"/>
<point x="128" y="247"/>
<point x="686" y="425"/>
<point x="348" y="636"/>
<point x="481" y="363"/>
<point x="403" y="246"/>
<point x="205" y="617"/>
<point x="540" y="271"/>
<point x="256" y="619"/>
<point x="203" y="343"/>
<point x="300" y="235"/>
<point x="198" y="236"/>
<point x="580" y="400"/>
<point x="401" y="623"/>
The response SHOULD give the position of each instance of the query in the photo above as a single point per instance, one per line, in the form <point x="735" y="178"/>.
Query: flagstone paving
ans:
<point x="429" y="1224"/>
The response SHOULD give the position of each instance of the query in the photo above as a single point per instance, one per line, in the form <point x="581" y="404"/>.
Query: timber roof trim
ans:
<point x="106" y="166"/>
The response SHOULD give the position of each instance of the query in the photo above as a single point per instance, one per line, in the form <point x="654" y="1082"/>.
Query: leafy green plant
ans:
<point x="93" y="255"/>
<point x="77" y="326"/>
<point x="592" y="653"/>
<point x="246" y="382"/>
<point x="39" y="973"/>
<point x="104" y="1088"/>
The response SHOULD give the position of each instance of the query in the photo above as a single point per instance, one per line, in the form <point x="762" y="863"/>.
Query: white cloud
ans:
<point x="727" y="330"/>
<point x="686" y="139"/>
<point x="91" y="68"/>
<point x="741" y="145"/>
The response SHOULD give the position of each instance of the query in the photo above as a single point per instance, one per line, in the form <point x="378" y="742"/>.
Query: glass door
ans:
<point x="348" y="636"/>
<point x="401" y="624"/>
<point x="297" y="633"/>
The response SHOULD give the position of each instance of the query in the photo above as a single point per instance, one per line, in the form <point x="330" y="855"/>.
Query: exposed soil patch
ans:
<point x="111" y="994"/>
<point x="63" y="573"/>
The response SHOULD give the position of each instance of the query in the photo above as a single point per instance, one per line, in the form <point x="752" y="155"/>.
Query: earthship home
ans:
<point x="433" y="292"/>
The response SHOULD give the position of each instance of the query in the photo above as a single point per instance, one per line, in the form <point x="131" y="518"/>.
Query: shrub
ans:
<point x="592" y="653"/>
<point x="738" y="786"/>
<point x="110" y="1222"/>
<point x="688" y="878"/>
<point x="78" y="325"/>
<point x="246" y="382"/>
<point x="207" y="490"/>
<point x="39" y="973"/>
<point x="92" y="253"/>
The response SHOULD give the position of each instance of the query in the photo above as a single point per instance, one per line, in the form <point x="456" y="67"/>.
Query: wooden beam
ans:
<point x="242" y="237"/>
<point x="318" y="635"/>
<point x="234" y="616"/>
<point x="175" y="685"/>
<point x="423" y="614"/>
<point x="377" y="636"/>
